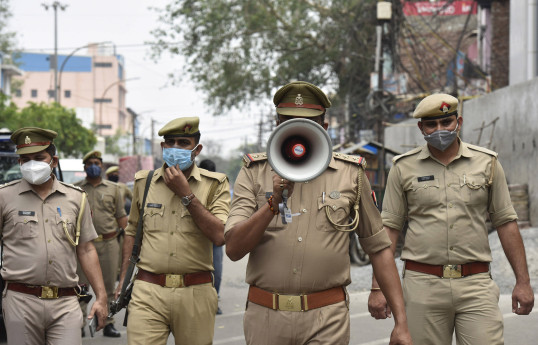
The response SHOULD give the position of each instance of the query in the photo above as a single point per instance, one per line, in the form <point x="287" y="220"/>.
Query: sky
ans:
<point x="127" y="23"/>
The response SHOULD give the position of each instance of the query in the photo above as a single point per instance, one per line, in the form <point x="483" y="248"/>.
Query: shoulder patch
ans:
<point x="214" y="175"/>
<point x="482" y="149"/>
<point x="70" y="185"/>
<point x="250" y="158"/>
<point x="141" y="174"/>
<point x="408" y="153"/>
<point x="349" y="158"/>
<point x="10" y="183"/>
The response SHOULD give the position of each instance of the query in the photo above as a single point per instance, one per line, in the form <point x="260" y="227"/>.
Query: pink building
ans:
<point x="93" y="85"/>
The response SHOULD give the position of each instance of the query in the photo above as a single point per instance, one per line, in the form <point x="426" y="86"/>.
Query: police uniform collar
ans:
<point x="25" y="186"/>
<point x="195" y="172"/>
<point x="332" y="164"/>
<point x="464" y="150"/>
<point x="85" y="182"/>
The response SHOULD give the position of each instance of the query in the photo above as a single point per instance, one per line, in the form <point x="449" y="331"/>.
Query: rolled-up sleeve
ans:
<point x="394" y="210"/>
<point x="500" y="206"/>
<point x="244" y="200"/>
<point x="220" y="205"/>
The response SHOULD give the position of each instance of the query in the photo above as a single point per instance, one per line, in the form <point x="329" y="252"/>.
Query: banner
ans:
<point x="440" y="8"/>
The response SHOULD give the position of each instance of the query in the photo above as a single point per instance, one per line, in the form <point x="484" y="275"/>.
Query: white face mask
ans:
<point x="36" y="172"/>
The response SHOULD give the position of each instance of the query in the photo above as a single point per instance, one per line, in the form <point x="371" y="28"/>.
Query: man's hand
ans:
<point x="279" y="185"/>
<point x="118" y="289"/>
<point x="176" y="181"/>
<point x="522" y="299"/>
<point x="378" y="306"/>
<point x="100" y="310"/>
<point x="400" y="336"/>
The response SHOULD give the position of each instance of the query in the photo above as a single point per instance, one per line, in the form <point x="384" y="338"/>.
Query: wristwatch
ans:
<point x="186" y="200"/>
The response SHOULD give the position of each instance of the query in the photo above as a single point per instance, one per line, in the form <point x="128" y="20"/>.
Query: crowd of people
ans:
<point x="58" y="238"/>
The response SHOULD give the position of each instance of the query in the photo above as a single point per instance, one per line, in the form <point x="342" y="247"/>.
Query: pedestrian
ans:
<point x="209" y="165"/>
<point x="446" y="190"/>
<point x="184" y="215"/>
<point x="298" y="272"/>
<point x="45" y="226"/>
<point x="108" y="214"/>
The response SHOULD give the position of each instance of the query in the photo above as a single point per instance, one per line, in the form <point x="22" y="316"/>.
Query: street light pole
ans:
<point x="55" y="5"/>
<point x="103" y="96"/>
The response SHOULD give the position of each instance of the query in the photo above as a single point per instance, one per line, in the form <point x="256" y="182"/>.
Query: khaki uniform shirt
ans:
<point x="308" y="254"/>
<point x="125" y="191"/>
<point x="36" y="249"/>
<point x="172" y="243"/>
<point x="447" y="206"/>
<point x="107" y="203"/>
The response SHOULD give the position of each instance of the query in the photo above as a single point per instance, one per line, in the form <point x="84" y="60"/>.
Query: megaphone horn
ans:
<point x="299" y="150"/>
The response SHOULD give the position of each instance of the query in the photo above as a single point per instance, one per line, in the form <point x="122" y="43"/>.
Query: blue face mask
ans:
<point x="174" y="156"/>
<point x="93" y="171"/>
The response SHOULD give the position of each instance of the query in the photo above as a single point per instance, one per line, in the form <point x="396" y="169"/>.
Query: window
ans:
<point x="103" y="64"/>
<point x="34" y="93"/>
<point x="50" y="93"/>
<point x="18" y="93"/>
<point x="67" y="93"/>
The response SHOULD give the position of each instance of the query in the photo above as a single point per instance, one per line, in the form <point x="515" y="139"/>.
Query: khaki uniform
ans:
<point x="107" y="205"/>
<point x="308" y="254"/>
<point x="37" y="252"/>
<point x="172" y="243"/>
<point x="446" y="208"/>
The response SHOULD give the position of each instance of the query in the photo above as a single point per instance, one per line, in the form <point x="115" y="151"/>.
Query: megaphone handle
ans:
<point x="283" y="207"/>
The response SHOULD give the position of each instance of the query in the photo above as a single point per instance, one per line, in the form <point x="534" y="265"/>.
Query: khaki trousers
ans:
<point x="33" y="321"/>
<point x="437" y="307"/>
<point x="107" y="251"/>
<point x="155" y="311"/>
<point x="322" y="326"/>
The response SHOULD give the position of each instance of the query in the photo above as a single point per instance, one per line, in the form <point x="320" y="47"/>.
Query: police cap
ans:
<point x="300" y="98"/>
<point x="32" y="139"/>
<point x="92" y="154"/>
<point x="181" y="127"/>
<point x="436" y="106"/>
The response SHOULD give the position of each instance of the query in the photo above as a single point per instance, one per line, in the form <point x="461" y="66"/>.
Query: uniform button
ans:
<point x="300" y="239"/>
<point x="50" y="261"/>
<point x="25" y="221"/>
<point x="48" y="282"/>
<point x="304" y="210"/>
<point x="46" y="220"/>
<point x="334" y="207"/>
<point x="171" y="254"/>
<point x="294" y="271"/>
<point x="450" y="205"/>
<point x="451" y="248"/>
<point x="305" y="182"/>
<point x="451" y="226"/>
<point x="48" y="241"/>
<point x="173" y="212"/>
<point x="171" y="232"/>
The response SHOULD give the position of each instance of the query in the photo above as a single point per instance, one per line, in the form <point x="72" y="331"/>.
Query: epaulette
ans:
<point x="482" y="149"/>
<point x="250" y="158"/>
<point x="72" y="186"/>
<point x="141" y="174"/>
<point x="214" y="175"/>
<point x="349" y="158"/>
<point x="9" y="183"/>
<point x="408" y="153"/>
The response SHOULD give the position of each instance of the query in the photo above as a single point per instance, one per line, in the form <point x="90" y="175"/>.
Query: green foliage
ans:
<point x="7" y="38"/>
<point x="240" y="51"/>
<point x="73" y="139"/>
<point x="113" y="146"/>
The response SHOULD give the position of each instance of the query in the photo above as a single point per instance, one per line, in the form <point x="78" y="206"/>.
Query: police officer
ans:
<point x="45" y="226"/>
<point x="107" y="204"/>
<point x="113" y="174"/>
<point x="446" y="189"/>
<point x="304" y="265"/>
<point x="184" y="215"/>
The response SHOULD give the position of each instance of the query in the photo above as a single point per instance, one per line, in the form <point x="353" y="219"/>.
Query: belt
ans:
<point x="296" y="302"/>
<point x="448" y="271"/>
<point x="107" y="236"/>
<point x="175" y="280"/>
<point x="44" y="292"/>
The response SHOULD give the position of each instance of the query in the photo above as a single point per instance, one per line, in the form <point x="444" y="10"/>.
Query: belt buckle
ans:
<point x="452" y="271"/>
<point x="49" y="292"/>
<point x="289" y="303"/>
<point x="99" y="238"/>
<point x="174" y="281"/>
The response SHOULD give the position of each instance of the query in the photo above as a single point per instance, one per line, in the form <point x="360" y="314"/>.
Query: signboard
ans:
<point x="440" y="8"/>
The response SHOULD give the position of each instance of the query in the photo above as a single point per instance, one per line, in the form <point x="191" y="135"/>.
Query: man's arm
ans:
<point x="387" y="276"/>
<point x="242" y="238"/>
<point x="512" y="243"/>
<point x="122" y="222"/>
<point x="87" y="256"/>
<point x="128" y="243"/>
<point x="377" y="303"/>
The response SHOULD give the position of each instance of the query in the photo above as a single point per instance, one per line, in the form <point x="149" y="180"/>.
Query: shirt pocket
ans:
<point x="26" y="226"/>
<point x="69" y="226"/>
<point x="276" y="223"/>
<point x="338" y="210"/>
<point x="474" y="189"/>
<point x="108" y="202"/>
<point x="154" y="218"/>
<point x="424" y="193"/>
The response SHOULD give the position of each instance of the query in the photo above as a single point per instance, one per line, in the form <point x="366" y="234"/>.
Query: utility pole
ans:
<point x="152" y="136"/>
<point x="55" y="5"/>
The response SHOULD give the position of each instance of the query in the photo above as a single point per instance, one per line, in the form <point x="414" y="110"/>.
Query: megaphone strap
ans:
<point x="355" y="221"/>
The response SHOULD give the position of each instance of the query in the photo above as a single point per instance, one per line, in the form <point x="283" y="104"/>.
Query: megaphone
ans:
<point x="299" y="150"/>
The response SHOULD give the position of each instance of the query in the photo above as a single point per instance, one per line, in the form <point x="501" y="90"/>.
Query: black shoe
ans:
<point x="82" y="332"/>
<point x="111" y="331"/>
<point x="219" y="312"/>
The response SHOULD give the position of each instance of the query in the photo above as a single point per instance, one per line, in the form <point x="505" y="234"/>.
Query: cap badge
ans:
<point x="444" y="107"/>
<point x="187" y="128"/>
<point x="27" y="140"/>
<point x="299" y="100"/>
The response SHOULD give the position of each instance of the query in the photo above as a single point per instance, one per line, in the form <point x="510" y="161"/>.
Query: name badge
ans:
<point x="426" y="178"/>
<point x="152" y="205"/>
<point x="26" y="213"/>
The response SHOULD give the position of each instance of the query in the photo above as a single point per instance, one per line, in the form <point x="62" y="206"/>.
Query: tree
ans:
<point x="73" y="139"/>
<point x="7" y="38"/>
<point x="240" y="51"/>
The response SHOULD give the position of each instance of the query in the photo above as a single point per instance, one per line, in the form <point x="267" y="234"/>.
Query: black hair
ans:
<point x="51" y="150"/>
<point x="208" y="164"/>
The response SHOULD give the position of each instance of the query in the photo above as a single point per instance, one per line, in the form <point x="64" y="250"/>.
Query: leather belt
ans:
<point x="448" y="271"/>
<point x="44" y="292"/>
<point x="175" y="280"/>
<point x="106" y="237"/>
<point x="296" y="302"/>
